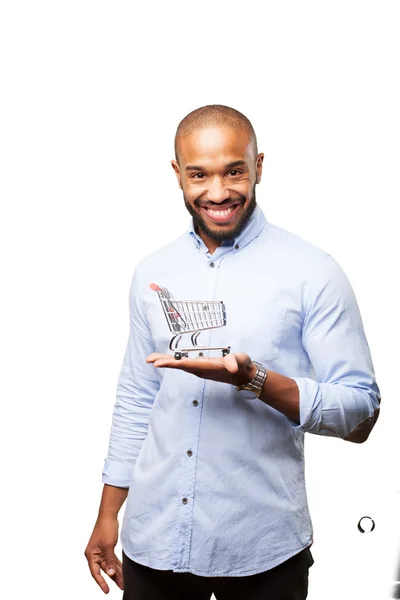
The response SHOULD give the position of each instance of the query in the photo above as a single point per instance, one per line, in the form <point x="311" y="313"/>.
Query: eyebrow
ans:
<point x="235" y="163"/>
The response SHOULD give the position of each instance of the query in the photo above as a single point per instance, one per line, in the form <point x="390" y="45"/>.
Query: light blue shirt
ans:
<point x="215" y="477"/>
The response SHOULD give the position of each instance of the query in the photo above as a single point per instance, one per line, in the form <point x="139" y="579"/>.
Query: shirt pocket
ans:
<point x="262" y="333"/>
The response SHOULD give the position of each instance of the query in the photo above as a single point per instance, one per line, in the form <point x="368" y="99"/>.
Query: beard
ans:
<point x="223" y="233"/>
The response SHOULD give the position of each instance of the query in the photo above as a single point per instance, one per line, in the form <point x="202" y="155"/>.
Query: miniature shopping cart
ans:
<point x="191" y="316"/>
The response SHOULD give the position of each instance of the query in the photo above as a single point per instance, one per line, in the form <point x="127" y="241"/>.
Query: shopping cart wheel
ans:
<point x="225" y="351"/>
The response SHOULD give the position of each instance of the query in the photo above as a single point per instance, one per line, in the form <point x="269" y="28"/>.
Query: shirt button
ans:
<point x="212" y="264"/>
<point x="189" y="453"/>
<point x="237" y="247"/>
<point x="184" y="500"/>
<point x="195" y="403"/>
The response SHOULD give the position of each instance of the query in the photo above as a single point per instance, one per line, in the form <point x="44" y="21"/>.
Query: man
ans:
<point x="215" y="474"/>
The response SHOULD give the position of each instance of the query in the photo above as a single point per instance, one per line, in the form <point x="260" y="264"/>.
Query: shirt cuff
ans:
<point x="310" y="405"/>
<point x="116" y="473"/>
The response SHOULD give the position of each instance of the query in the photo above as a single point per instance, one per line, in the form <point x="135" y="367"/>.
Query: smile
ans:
<point x="222" y="215"/>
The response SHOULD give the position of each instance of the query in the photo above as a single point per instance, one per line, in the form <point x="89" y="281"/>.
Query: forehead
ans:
<point x="214" y="144"/>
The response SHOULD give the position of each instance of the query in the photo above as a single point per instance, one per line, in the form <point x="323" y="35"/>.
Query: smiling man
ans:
<point x="219" y="193"/>
<point x="209" y="450"/>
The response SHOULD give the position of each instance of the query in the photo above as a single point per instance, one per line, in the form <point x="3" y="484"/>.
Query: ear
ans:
<point x="259" y="166"/>
<point x="177" y="170"/>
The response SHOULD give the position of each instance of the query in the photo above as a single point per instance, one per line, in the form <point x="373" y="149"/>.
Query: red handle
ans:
<point x="155" y="287"/>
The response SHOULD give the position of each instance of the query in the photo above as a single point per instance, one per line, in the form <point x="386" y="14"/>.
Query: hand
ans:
<point x="100" y="553"/>
<point x="236" y="369"/>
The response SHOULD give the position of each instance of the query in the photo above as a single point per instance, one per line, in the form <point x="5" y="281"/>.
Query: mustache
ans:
<point x="228" y="202"/>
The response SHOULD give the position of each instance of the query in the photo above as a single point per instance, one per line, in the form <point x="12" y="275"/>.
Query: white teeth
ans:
<point x="220" y="213"/>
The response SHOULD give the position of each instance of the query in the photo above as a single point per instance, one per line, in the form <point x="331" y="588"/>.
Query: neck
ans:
<point x="210" y="242"/>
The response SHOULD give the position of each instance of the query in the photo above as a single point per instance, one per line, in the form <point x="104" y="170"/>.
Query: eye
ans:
<point x="235" y="172"/>
<point x="195" y="175"/>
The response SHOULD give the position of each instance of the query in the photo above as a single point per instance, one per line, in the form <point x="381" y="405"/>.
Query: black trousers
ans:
<point x="287" y="581"/>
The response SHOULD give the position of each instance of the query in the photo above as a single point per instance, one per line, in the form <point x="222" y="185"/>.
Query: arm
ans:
<point x="343" y="400"/>
<point x="100" y="549"/>
<point x="137" y="387"/>
<point x="112" y="499"/>
<point x="281" y="393"/>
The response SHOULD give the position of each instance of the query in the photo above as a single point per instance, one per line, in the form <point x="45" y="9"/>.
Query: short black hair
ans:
<point x="214" y="114"/>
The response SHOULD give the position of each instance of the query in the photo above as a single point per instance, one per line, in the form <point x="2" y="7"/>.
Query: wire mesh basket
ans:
<point x="191" y="316"/>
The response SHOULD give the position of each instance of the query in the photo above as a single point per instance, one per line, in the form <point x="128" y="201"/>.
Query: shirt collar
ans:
<point x="251" y="230"/>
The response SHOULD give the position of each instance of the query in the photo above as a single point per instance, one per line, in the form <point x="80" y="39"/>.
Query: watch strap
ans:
<point x="256" y="384"/>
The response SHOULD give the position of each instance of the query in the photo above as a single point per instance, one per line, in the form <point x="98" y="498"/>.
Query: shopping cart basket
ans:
<point x="191" y="316"/>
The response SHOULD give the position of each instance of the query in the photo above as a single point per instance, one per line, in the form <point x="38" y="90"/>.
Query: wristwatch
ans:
<point x="256" y="384"/>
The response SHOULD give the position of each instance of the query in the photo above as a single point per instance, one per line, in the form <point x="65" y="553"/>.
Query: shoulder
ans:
<point x="312" y="267"/>
<point x="293" y="242"/>
<point x="291" y="249"/>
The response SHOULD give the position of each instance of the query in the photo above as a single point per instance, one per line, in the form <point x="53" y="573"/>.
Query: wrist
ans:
<point x="251" y="371"/>
<point x="256" y="376"/>
<point x="111" y="501"/>
<point x="107" y="515"/>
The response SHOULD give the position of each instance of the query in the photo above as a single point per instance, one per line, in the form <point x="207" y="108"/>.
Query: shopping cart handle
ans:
<point x="155" y="287"/>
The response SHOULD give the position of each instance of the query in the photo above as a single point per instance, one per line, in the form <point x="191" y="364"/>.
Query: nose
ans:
<point x="216" y="191"/>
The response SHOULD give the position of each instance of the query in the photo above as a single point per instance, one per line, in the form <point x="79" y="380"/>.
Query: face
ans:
<point x="218" y="174"/>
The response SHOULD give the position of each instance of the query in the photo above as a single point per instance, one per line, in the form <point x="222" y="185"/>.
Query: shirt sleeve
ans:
<point x="341" y="398"/>
<point x="137" y="387"/>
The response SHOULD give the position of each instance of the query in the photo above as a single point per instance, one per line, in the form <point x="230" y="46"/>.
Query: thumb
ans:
<point x="109" y="558"/>
<point x="231" y="363"/>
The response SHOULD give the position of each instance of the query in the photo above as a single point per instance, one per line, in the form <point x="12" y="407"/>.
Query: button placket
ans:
<point x="182" y="543"/>
<point x="185" y="499"/>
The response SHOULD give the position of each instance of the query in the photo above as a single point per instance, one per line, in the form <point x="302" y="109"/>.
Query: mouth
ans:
<point x="221" y="215"/>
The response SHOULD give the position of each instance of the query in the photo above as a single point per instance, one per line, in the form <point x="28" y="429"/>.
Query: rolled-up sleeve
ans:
<point x="341" y="397"/>
<point x="136" y="389"/>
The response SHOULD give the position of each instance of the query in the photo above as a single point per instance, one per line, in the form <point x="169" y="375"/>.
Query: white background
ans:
<point x="92" y="93"/>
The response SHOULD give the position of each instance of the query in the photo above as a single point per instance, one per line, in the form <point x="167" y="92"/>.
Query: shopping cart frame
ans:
<point x="191" y="316"/>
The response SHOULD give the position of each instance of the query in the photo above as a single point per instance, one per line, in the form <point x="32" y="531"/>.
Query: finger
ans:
<point x="168" y="362"/>
<point x="110" y="560"/>
<point x="118" y="564"/>
<point x="207" y="364"/>
<point x="183" y="363"/>
<point x="155" y="355"/>
<point x="95" y="571"/>
<point x="243" y="359"/>
<point x="231" y="363"/>
<point x="119" y="579"/>
<point x="105" y="565"/>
